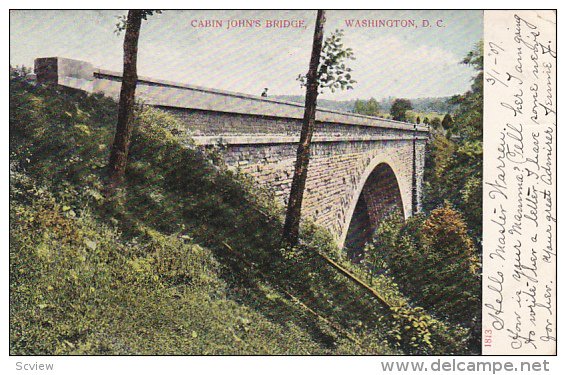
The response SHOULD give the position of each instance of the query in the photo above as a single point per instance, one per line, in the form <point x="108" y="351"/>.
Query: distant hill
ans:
<point x="430" y="104"/>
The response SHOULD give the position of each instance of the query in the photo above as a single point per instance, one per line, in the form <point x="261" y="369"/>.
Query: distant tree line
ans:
<point x="399" y="111"/>
<point x="439" y="105"/>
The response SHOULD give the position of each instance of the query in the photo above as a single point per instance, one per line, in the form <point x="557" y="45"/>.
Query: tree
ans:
<point x="418" y="119"/>
<point x="447" y="122"/>
<point x="435" y="123"/>
<point x="399" y="109"/>
<point x="121" y="144"/>
<point x="359" y="106"/>
<point x="369" y="108"/>
<point x="327" y="69"/>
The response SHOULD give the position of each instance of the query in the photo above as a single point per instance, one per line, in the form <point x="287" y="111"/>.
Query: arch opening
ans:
<point x="380" y="197"/>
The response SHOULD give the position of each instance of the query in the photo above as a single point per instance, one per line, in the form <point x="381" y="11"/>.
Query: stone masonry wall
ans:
<point x="338" y="168"/>
<point x="337" y="173"/>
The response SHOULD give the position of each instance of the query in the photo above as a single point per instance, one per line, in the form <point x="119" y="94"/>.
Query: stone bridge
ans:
<point x="361" y="167"/>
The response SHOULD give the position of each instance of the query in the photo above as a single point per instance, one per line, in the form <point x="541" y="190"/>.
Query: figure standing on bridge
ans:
<point x="264" y="93"/>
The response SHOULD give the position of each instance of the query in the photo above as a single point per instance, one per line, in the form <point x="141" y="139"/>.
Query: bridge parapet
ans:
<point x="161" y="93"/>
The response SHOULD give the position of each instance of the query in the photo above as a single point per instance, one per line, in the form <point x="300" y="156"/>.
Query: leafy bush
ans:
<point x="408" y="328"/>
<point x="434" y="261"/>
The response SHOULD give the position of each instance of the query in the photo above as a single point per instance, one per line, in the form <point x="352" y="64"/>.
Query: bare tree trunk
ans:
<point x="120" y="147"/>
<point x="293" y="217"/>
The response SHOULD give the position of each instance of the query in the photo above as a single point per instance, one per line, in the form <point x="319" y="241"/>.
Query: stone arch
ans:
<point x="378" y="195"/>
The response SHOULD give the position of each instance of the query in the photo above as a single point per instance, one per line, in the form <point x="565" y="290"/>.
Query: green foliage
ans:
<point x="78" y="287"/>
<point x="399" y="109"/>
<point x="455" y="166"/>
<point x="410" y="329"/>
<point x="121" y="24"/>
<point x="447" y="122"/>
<point x="438" y="159"/>
<point x="435" y="123"/>
<point x="368" y="108"/>
<point x="332" y="70"/>
<point x="53" y="137"/>
<point x="434" y="261"/>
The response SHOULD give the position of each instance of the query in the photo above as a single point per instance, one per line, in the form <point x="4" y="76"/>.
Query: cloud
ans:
<point x="392" y="66"/>
<point x="401" y="63"/>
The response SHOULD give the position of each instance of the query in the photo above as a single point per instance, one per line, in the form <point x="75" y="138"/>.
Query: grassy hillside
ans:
<point x="184" y="259"/>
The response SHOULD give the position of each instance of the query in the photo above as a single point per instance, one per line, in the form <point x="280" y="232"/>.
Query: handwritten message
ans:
<point x="519" y="192"/>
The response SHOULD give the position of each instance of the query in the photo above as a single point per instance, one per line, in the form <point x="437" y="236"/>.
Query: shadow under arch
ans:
<point x="379" y="198"/>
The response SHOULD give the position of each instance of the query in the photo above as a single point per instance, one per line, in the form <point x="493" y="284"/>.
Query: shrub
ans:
<point x="433" y="260"/>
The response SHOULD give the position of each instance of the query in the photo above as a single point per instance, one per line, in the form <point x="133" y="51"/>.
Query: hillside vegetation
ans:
<point x="184" y="259"/>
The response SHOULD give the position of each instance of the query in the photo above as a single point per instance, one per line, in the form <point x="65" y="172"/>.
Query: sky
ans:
<point x="408" y="62"/>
